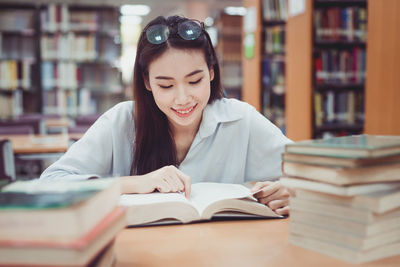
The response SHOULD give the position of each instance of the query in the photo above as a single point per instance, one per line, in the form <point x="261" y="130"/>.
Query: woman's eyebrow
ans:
<point x="164" y="78"/>
<point x="193" y="73"/>
<point x="170" y="78"/>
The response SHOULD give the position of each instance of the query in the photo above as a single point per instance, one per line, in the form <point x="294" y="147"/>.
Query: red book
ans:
<point x="78" y="252"/>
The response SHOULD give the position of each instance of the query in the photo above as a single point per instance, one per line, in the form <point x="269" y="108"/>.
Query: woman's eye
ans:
<point x="196" y="81"/>
<point x="165" y="86"/>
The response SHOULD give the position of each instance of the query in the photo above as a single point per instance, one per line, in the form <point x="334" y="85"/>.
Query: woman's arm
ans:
<point x="266" y="144"/>
<point x="104" y="151"/>
<point x="166" y="179"/>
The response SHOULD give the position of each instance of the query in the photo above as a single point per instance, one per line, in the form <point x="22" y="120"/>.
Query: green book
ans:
<point x="354" y="146"/>
<point x="36" y="194"/>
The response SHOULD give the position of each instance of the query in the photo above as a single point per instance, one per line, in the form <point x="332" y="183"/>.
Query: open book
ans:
<point x="207" y="200"/>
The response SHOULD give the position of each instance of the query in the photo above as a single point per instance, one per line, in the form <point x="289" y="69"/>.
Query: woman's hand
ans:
<point x="274" y="195"/>
<point x="166" y="179"/>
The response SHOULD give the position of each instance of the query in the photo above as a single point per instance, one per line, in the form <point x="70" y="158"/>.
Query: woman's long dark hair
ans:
<point x="154" y="144"/>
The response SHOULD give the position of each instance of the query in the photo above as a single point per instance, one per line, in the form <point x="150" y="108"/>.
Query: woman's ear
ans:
<point x="211" y="74"/>
<point x="146" y="83"/>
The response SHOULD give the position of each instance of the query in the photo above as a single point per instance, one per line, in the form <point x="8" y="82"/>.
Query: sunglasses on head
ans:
<point x="187" y="30"/>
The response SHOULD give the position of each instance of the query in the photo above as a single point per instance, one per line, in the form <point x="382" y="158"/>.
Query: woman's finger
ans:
<point x="282" y="193"/>
<point x="268" y="190"/>
<point x="283" y="211"/>
<point x="176" y="183"/>
<point x="185" y="179"/>
<point x="278" y="203"/>
<point x="163" y="186"/>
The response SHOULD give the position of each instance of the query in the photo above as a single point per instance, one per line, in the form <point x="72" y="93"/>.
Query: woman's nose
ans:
<point x="182" y="96"/>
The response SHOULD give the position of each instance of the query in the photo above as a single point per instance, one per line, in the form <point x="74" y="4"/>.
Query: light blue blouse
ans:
<point x="234" y="144"/>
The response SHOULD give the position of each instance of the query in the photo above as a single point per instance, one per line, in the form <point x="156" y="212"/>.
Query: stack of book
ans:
<point x="347" y="196"/>
<point x="59" y="223"/>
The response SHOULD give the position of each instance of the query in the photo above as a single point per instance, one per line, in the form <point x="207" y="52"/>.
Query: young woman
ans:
<point x="179" y="129"/>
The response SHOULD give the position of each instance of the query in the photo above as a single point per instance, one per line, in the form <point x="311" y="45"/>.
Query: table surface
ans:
<point x="36" y="144"/>
<point x="223" y="243"/>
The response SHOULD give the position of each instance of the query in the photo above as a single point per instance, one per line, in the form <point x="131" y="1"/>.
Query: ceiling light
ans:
<point x="135" y="10"/>
<point x="235" y="10"/>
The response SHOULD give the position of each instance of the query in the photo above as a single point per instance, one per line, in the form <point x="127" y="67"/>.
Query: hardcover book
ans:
<point x="343" y="176"/>
<point x="76" y="252"/>
<point x="340" y="190"/>
<point x="344" y="253"/>
<point x="355" y="146"/>
<point x="339" y="162"/>
<point x="37" y="210"/>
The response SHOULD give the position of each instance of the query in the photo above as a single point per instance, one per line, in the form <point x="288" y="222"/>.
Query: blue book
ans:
<point x="355" y="146"/>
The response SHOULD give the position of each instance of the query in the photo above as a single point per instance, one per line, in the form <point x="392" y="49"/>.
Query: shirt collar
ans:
<point x="216" y="113"/>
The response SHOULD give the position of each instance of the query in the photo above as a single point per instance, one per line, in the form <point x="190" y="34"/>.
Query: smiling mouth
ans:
<point x="185" y="112"/>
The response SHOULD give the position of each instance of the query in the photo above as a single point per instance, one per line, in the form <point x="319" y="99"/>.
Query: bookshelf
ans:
<point x="326" y="69"/>
<point x="59" y="59"/>
<point x="80" y="49"/>
<point x="273" y="86"/>
<point x="18" y="59"/>
<point x="229" y="50"/>
<point x="339" y="67"/>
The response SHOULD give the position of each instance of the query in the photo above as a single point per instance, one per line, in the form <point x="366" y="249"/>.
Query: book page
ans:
<point x="152" y="198"/>
<point x="204" y="194"/>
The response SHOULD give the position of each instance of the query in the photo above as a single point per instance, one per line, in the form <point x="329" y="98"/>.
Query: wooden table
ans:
<point x="39" y="144"/>
<point x="230" y="243"/>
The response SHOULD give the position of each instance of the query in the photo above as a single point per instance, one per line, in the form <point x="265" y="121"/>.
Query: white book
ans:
<point x="347" y="240"/>
<point x="345" y="226"/>
<point x="343" y="253"/>
<point x="379" y="202"/>
<point x="346" y="213"/>
<point x="206" y="201"/>
<point x="349" y="190"/>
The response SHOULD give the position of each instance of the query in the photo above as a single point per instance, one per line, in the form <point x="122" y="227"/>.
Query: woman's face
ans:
<point x="180" y="83"/>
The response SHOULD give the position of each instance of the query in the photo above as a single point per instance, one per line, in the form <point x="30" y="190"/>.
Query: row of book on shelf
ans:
<point x="16" y="20"/>
<point x="341" y="24"/>
<point x="60" y="17"/>
<point x="76" y="47"/>
<point x="231" y="73"/>
<point x="273" y="74"/>
<point x="274" y="39"/>
<point x="340" y="66"/>
<point x="70" y="75"/>
<point x="14" y="46"/>
<point x="345" y="107"/>
<point x="11" y="105"/>
<point x="274" y="10"/>
<point x="69" y="102"/>
<point x="347" y="196"/>
<point x="15" y="74"/>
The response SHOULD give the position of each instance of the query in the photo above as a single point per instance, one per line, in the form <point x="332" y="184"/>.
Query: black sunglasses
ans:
<point x="187" y="30"/>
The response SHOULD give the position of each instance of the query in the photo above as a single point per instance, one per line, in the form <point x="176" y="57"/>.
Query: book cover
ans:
<point x="355" y="146"/>
<point x="341" y="175"/>
<point x="340" y="190"/>
<point x="342" y="212"/>
<point x="206" y="200"/>
<point x="343" y="253"/>
<point x="339" y="162"/>
<point x="38" y="210"/>
<point x="334" y="223"/>
<point x="347" y="240"/>
<point x="77" y="252"/>
<point x="379" y="201"/>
